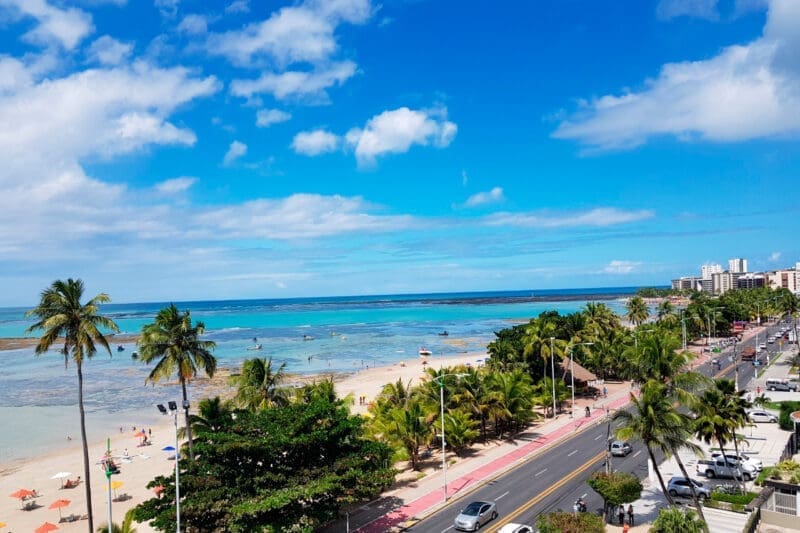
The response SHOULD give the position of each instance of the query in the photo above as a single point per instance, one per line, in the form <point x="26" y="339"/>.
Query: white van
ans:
<point x="781" y="384"/>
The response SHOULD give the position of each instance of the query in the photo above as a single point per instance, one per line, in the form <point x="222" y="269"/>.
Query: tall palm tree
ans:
<point x="637" y="311"/>
<point x="473" y="395"/>
<point x="666" y="313"/>
<point x="259" y="384"/>
<point x="600" y="316"/>
<point x="126" y="527"/>
<point x="513" y="394"/>
<point x="175" y="343"/>
<point x="62" y="317"/>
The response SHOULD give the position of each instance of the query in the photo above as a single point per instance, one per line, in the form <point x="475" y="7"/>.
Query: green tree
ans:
<point x="63" y="318"/>
<point x="513" y="394"/>
<point x="637" y="311"/>
<point x="460" y="430"/>
<point x="672" y="519"/>
<point x="666" y="312"/>
<point x="259" y="384"/>
<point x="616" y="488"/>
<point x="125" y="527"/>
<point x="175" y="343"/>
<point x="561" y="522"/>
<point x="213" y="415"/>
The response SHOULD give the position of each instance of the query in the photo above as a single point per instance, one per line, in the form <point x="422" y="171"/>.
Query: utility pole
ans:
<point x="683" y="327"/>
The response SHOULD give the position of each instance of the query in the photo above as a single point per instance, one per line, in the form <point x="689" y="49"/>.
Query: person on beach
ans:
<point x="621" y="514"/>
<point x="605" y="392"/>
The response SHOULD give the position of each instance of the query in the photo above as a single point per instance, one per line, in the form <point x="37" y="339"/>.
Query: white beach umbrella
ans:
<point x="61" y="475"/>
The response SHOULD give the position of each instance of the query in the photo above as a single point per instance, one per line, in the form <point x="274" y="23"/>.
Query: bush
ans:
<point x="787" y="408"/>
<point x="738" y="499"/>
<point x="561" y="522"/>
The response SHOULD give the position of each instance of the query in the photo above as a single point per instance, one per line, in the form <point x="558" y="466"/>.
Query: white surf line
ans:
<point x="637" y="453"/>
<point x="502" y="495"/>
<point x="540" y="473"/>
<point x="573" y="452"/>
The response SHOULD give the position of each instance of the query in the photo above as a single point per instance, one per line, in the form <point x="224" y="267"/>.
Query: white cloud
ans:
<point x="397" y="130"/>
<point x="238" y="6"/>
<point x="296" y="83"/>
<point x="598" y="217"/>
<point x="621" y="267"/>
<point x="66" y="27"/>
<point x="267" y="117"/>
<point x="108" y="51"/>
<point x="774" y="256"/>
<point x="464" y="178"/>
<point x="167" y="8"/>
<point x="193" y="25"/>
<point x="236" y="150"/>
<point x="315" y="142"/>
<point x="489" y="197"/>
<point x="302" y="33"/>
<point x="175" y="185"/>
<point x="745" y="92"/>
<point x="706" y="9"/>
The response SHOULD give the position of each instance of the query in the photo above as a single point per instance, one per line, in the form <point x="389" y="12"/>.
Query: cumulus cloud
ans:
<point x="236" y="150"/>
<point x="315" y="142"/>
<point x="489" y="197"/>
<point x="238" y="6"/>
<point x="108" y="51"/>
<point x="66" y="27"/>
<point x="267" y="117"/>
<point x="296" y="83"/>
<point x="774" y="256"/>
<point x="167" y="8"/>
<point x="621" y="267"/>
<point x="193" y="25"/>
<point x="668" y="9"/>
<point x="745" y="92"/>
<point x="175" y="185"/>
<point x="598" y="217"/>
<point x="397" y="130"/>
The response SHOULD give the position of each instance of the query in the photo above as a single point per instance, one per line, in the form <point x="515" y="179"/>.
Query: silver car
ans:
<point x="620" y="448"/>
<point x="475" y="515"/>
<point x="679" y="486"/>
<point x="761" y="416"/>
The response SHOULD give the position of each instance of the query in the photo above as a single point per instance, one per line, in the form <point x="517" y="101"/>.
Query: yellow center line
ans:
<point x="542" y="495"/>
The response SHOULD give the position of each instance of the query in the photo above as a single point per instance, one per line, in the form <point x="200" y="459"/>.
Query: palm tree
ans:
<point x="666" y="313"/>
<point x="512" y="392"/>
<point x="260" y="385"/>
<point x="600" y="316"/>
<point x="673" y="519"/>
<point x="472" y="394"/>
<point x="460" y="429"/>
<point x="213" y="415"/>
<point x="638" y="312"/>
<point x="176" y="344"/>
<point x="62" y="316"/>
<point x="126" y="527"/>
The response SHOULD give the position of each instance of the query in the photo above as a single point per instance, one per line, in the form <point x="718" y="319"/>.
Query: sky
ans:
<point x="172" y="150"/>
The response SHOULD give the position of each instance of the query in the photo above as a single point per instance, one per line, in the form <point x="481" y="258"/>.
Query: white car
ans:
<point x="754" y="462"/>
<point x="762" y="346"/>
<point x="761" y="416"/>
<point x="515" y="528"/>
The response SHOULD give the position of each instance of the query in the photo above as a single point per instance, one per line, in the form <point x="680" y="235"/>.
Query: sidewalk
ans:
<point x="426" y="496"/>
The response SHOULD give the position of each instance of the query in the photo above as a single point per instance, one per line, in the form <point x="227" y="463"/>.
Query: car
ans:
<point x="515" y="528"/>
<point x="762" y="346"/>
<point x="761" y="416"/>
<point x="620" y="448"/>
<point x="755" y="462"/>
<point x="679" y="486"/>
<point x="475" y="515"/>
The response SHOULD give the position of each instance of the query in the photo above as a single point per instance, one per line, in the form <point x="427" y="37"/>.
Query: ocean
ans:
<point x="310" y="335"/>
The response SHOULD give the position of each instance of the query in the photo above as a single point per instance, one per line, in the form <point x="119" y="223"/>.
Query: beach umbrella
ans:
<point x="115" y="485"/>
<point x="46" y="528"/>
<point x="22" y="494"/>
<point x="168" y="449"/>
<point x="61" y="475"/>
<point x="59" y="504"/>
<point x="2" y="524"/>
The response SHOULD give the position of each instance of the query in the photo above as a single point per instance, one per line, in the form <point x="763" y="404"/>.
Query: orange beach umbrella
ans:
<point x="46" y="528"/>
<point x="22" y="494"/>
<point x="58" y="504"/>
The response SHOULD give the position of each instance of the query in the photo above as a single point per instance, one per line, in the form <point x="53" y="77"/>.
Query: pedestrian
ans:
<point x="630" y="514"/>
<point x="758" y="391"/>
<point x="605" y="392"/>
<point x="621" y="514"/>
<point x="588" y="412"/>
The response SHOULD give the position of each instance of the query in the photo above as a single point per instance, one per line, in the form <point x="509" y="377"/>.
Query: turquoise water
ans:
<point x="309" y="335"/>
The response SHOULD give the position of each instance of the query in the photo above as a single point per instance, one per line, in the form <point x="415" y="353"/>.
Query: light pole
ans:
<point x="108" y="479"/>
<point x="440" y="380"/>
<point x="735" y="368"/>
<point x="553" y="374"/>
<point x="572" y="373"/>
<point x="683" y="327"/>
<point x="173" y="408"/>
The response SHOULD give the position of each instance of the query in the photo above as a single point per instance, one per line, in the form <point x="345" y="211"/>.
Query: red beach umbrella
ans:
<point x="21" y="494"/>
<point x="46" y="528"/>
<point x="58" y="504"/>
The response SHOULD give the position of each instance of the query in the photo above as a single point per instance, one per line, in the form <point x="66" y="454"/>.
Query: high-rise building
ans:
<point x="797" y="276"/>
<point x="737" y="265"/>
<point x="782" y="279"/>
<point x="751" y="281"/>
<point x="707" y="270"/>
<point x="722" y="282"/>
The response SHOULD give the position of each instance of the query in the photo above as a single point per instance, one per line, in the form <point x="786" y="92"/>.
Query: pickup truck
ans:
<point x="720" y="468"/>
<point x="749" y="353"/>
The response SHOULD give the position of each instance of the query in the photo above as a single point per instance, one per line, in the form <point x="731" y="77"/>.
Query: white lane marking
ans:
<point x="573" y="452"/>
<point x="448" y="529"/>
<point x="540" y="472"/>
<point x="598" y="437"/>
<point x="637" y="453"/>
<point x="502" y="496"/>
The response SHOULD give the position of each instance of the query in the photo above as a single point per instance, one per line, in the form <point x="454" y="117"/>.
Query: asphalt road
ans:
<point x="555" y="478"/>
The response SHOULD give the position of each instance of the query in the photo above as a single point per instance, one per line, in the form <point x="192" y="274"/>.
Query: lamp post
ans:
<point x="553" y="375"/>
<point x="173" y="408"/>
<point x="735" y="368"/>
<point x="572" y="373"/>
<point x="440" y="380"/>
<point x="683" y="327"/>
<point x="108" y="479"/>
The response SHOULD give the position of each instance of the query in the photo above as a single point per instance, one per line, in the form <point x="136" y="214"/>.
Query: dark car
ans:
<point x="475" y="515"/>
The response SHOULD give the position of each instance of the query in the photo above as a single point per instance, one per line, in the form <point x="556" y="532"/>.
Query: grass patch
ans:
<point x="735" y="499"/>
<point x="764" y="474"/>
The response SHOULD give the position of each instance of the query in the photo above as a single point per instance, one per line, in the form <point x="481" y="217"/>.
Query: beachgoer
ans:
<point x="758" y="391"/>
<point x="621" y="514"/>
<point x="588" y="412"/>
<point x="150" y="431"/>
<point x="125" y="453"/>
<point x="630" y="514"/>
<point x="605" y="392"/>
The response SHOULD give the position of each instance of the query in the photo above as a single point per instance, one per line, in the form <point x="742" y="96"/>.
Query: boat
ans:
<point x="424" y="352"/>
<point x="308" y="338"/>
<point x="134" y="355"/>
<point x="443" y="333"/>
<point x="120" y="348"/>
<point x="254" y="347"/>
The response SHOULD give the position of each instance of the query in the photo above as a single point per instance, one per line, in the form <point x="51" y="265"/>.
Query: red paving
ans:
<point x="423" y="503"/>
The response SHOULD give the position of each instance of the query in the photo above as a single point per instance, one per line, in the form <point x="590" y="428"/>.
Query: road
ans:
<point x="555" y="478"/>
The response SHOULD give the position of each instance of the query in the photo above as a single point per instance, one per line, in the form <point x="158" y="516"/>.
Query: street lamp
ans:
<point x="572" y="372"/>
<point x="173" y="408"/>
<point x="553" y="375"/>
<point x="683" y="327"/>
<point x="440" y="380"/>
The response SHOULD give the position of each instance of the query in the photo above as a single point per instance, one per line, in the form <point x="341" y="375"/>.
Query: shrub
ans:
<point x="787" y="408"/>
<point x="738" y="499"/>
<point x="561" y="522"/>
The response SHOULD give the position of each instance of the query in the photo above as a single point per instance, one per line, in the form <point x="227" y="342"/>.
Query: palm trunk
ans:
<point x="691" y="485"/>
<point x="188" y="425"/>
<point x="87" y="482"/>
<point x="740" y="478"/>
<point x="660" y="479"/>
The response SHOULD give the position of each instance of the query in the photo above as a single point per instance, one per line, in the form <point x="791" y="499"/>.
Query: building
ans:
<point x="737" y="265"/>
<point x="783" y="279"/>
<point x="797" y="277"/>
<point x="722" y="282"/>
<point x="751" y="281"/>
<point x="687" y="283"/>
<point x="707" y="270"/>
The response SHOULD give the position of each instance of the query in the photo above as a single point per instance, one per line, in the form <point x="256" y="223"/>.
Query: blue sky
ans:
<point x="187" y="149"/>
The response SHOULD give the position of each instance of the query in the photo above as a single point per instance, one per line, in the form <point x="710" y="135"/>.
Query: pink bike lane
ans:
<point x="418" y="507"/>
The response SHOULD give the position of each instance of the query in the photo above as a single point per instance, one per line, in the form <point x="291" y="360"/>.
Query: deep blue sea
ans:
<point x="311" y="335"/>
